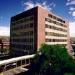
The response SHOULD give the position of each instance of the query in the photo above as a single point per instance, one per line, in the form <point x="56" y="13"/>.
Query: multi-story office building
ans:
<point x="36" y="26"/>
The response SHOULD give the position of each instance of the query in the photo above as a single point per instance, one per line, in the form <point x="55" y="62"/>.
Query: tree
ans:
<point x="4" y="51"/>
<point x="54" y="60"/>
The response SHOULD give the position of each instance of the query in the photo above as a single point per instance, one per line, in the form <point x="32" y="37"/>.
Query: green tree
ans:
<point x="52" y="60"/>
<point x="4" y="50"/>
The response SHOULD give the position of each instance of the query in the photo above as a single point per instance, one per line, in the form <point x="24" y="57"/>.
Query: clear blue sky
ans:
<point x="8" y="8"/>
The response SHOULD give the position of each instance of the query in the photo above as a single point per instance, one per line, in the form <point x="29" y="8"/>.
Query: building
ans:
<point x="4" y="42"/>
<point x="36" y="26"/>
<point x="1" y="44"/>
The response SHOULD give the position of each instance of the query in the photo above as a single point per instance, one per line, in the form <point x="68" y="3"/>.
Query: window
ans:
<point x="55" y="28"/>
<point x="31" y="18"/>
<point x="50" y="15"/>
<point x="55" y="34"/>
<point x="31" y="25"/>
<point x="55" y="40"/>
<point x="55" y="22"/>
<point x="31" y="32"/>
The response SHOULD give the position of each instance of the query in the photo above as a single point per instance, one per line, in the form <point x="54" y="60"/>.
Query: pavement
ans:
<point x="14" y="71"/>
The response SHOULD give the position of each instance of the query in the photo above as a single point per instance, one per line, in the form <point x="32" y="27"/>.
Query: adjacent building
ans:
<point x="1" y="44"/>
<point x="36" y="26"/>
<point x="4" y="43"/>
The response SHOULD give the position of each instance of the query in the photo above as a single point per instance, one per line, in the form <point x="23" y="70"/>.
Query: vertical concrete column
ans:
<point x="25" y="61"/>
<point x="29" y="60"/>
<point x="4" y="69"/>
<point x="16" y="63"/>
<point x="21" y="62"/>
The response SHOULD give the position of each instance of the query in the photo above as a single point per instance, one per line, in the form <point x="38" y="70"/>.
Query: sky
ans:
<point x="9" y="8"/>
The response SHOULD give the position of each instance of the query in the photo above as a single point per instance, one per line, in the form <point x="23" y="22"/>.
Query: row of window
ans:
<point x="56" y="18"/>
<point x="27" y="40"/>
<point x="23" y="26"/>
<point x="29" y="33"/>
<point x="27" y="19"/>
<point x="26" y="47"/>
<point x="55" y="28"/>
<point x="55" y="22"/>
<point x="55" y="34"/>
<point x="55" y="40"/>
